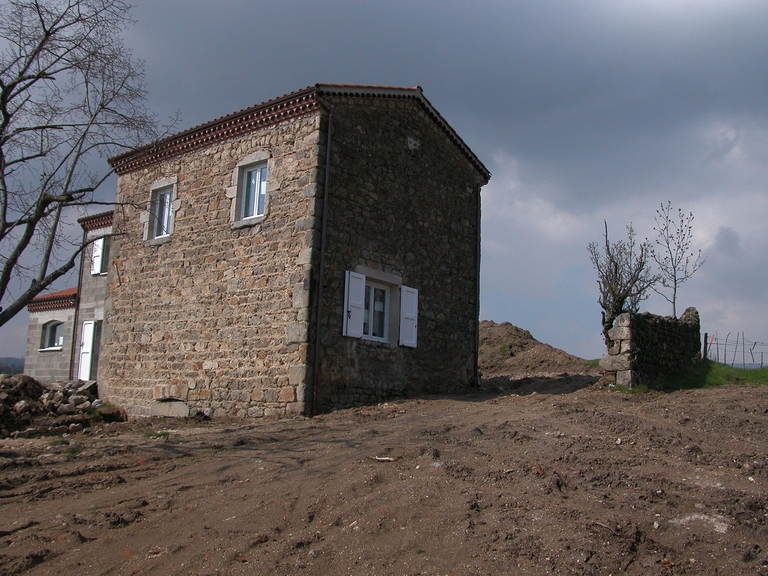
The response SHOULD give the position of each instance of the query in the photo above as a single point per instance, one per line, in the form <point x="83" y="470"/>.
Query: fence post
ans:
<point x="704" y="355"/>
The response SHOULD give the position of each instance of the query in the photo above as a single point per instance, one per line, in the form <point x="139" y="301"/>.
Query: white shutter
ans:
<point x="354" y="303"/>
<point x="98" y="250"/>
<point x="86" y="351"/>
<point x="409" y="313"/>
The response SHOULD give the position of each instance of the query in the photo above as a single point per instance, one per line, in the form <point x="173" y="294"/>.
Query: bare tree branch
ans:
<point x="71" y="94"/>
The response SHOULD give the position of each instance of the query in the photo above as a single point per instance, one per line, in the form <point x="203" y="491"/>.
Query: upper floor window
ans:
<point x="248" y="190"/>
<point x="253" y="192"/>
<point x="100" y="256"/>
<point x="53" y="336"/>
<point x="161" y="212"/>
<point x="158" y="219"/>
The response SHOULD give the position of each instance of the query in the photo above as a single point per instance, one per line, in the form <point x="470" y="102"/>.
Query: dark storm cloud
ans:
<point x="583" y="111"/>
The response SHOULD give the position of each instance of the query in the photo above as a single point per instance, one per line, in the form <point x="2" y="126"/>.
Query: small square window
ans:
<point x="252" y="193"/>
<point x="53" y="336"/>
<point x="160" y="212"/>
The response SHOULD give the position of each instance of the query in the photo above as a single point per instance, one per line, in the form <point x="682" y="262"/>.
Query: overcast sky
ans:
<point x="583" y="111"/>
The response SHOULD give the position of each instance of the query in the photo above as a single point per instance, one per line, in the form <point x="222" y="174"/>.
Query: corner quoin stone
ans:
<point x="616" y="363"/>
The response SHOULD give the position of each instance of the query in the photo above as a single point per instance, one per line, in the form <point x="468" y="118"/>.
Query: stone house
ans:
<point x="64" y="330"/>
<point x="316" y="251"/>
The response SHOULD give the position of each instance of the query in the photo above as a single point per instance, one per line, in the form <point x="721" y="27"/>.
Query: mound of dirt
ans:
<point x="506" y="350"/>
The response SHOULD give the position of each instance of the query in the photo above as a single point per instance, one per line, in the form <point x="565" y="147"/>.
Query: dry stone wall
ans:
<point x="645" y="348"/>
<point x="404" y="204"/>
<point x="215" y="318"/>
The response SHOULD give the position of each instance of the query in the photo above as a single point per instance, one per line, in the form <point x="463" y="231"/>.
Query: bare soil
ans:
<point x="540" y="475"/>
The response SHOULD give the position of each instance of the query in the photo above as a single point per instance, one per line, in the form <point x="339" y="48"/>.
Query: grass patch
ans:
<point x="595" y="362"/>
<point x="504" y="350"/>
<point x="707" y="374"/>
<point x="59" y="442"/>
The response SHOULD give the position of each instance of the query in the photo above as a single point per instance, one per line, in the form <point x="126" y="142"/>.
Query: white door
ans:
<point x="86" y="351"/>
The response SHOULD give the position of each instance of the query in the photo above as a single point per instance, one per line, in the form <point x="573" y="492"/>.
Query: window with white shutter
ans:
<point x="409" y="313"/>
<point x="354" y="302"/>
<point x="96" y="254"/>
<point x="368" y="314"/>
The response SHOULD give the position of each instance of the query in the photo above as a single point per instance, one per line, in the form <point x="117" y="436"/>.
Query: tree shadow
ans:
<point x="696" y="377"/>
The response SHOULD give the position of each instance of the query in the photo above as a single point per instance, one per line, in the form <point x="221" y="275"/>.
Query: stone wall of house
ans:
<point x="404" y="205"/>
<point x="215" y="318"/>
<point x="646" y="348"/>
<point x="48" y="365"/>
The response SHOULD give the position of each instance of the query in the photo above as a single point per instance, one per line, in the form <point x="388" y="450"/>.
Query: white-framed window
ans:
<point x="252" y="193"/>
<point x="158" y="218"/>
<point x="376" y="312"/>
<point x="161" y="212"/>
<point x="249" y="191"/>
<point x="53" y="336"/>
<point x="100" y="256"/>
<point x="369" y="314"/>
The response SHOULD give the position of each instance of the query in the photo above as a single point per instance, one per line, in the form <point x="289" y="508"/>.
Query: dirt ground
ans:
<point x="537" y="476"/>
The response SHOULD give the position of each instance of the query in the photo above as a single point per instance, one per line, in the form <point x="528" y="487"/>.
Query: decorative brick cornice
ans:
<point x="265" y="114"/>
<point x="60" y="300"/>
<point x="96" y="221"/>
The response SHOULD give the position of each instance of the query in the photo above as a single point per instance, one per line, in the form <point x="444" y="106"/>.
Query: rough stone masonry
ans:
<point x="645" y="348"/>
<point x="224" y="316"/>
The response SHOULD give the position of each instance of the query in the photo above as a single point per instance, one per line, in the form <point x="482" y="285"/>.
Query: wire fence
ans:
<point x="735" y="349"/>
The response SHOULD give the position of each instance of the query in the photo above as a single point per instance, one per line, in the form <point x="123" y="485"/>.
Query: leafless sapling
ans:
<point x="672" y="252"/>
<point x="623" y="275"/>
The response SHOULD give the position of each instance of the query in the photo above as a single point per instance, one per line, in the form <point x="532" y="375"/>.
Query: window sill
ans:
<point x="247" y="222"/>
<point x="52" y="349"/>
<point x="159" y="240"/>
<point x="371" y="340"/>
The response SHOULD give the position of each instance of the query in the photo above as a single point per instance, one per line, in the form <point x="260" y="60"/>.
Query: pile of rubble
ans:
<point x="55" y="407"/>
<point x="70" y="397"/>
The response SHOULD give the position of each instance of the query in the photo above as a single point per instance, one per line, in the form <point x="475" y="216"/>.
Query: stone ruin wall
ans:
<point x="646" y="348"/>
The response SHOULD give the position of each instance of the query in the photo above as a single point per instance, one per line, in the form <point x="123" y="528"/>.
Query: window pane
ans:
<point x="166" y="213"/>
<point x="161" y="213"/>
<point x="262" y="191"/>
<point x="367" y="312"/>
<point x="249" y="193"/>
<point x="58" y="335"/>
<point x="379" y="309"/>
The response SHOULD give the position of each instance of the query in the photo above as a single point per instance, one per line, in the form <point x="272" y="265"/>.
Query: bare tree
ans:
<point x="672" y="253"/>
<point x="70" y="94"/>
<point x="623" y="275"/>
